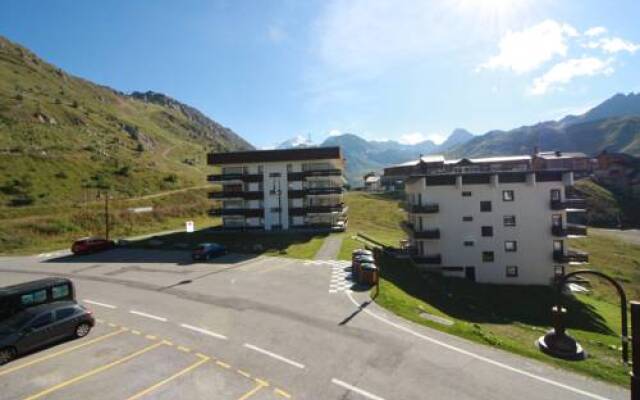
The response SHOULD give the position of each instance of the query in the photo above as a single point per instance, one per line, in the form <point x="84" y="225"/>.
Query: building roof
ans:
<point x="436" y="158"/>
<point x="555" y="155"/>
<point x="372" y="179"/>
<point x="307" y="153"/>
<point x="489" y="160"/>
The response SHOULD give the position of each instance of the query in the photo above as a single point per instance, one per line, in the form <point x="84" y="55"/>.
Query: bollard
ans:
<point x="635" y="350"/>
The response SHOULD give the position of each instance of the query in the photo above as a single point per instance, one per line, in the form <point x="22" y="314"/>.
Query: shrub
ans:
<point x="171" y="178"/>
<point x="61" y="175"/>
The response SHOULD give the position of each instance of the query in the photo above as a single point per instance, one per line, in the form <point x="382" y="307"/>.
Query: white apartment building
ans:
<point x="493" y="221"/>
<point x="279" y="189"/>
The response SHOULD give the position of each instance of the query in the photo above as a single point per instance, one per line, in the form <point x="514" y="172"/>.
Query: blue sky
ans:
<point x="403" y="70"/>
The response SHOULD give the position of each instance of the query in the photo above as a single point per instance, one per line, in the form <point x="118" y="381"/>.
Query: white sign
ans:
<point x="189" y="226"/>
<point x="138" y="210"/>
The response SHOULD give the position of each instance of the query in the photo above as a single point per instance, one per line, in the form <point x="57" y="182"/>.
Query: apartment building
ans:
<point x="493" y="220"/>
<point x="279" y="189"/>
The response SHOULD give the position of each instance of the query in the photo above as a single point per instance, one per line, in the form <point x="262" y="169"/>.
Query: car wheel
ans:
<point x="82" y="330"/>
<point x="7" y="354"/>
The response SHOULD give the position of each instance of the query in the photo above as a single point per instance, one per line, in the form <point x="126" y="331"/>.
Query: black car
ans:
<point x="41" y="325"/>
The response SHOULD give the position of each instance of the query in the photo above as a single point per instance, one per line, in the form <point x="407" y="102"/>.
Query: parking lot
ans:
<point x="121" y="362"/>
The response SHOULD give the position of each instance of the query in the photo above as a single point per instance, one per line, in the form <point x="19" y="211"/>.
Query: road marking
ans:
<point x="355" y="389"/>
<point x="111" y="324"/>
<point x="93" y="372"/>
<point x="253" y="391"/>
<point x="203" y="359"/>
<point x="203" y="331"/>
<point x="95" y="303"/>
<point x="245" y="374"/>
<point x="223" y="364"/>
<point x="135" y="332"/>
<point x="273" y="355"/>
<point x="140" y="313"/>
<point x="151" y="337"/>
<point x="61" y="352"/>
<point x="184" y="349"/>
<point x="479" y="357"/>
<point x="282" y="393"/>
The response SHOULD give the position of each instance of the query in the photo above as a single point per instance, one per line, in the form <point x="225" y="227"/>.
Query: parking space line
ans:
<point x="95" y="303"/>
<point x="355" y="389"/>
<point x="274" y="355"/>
<point x="253" y="391"/>
<point x="282" y="393"/>
<point x="64" y="351"/>
<point x="223" y="364"/>
<point x="151" y="337"/>
<point x="204" y="331"/>
<point x="184" y="349"/>
<point x="94" y="371"/>
<point x="135" y="332"/>
<point x="203" y="359"/>
<point x="142" y="314"/>
<point x="245" y="374"/>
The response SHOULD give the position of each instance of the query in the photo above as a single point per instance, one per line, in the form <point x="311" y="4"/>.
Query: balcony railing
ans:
<point x="424" y="208"/>
<point x="570" y="256"/>
<point x="298" y="176"/>
<point x="568" y="203"/>
<point x="425" y="233"/>
<point x="576" y="230"/>
<point x="246" y="212"/>
<point x="558" y="231"/>
<point x="434" y="259"/>
<point x="231" y="194"/>
<point x="230" y="177"/>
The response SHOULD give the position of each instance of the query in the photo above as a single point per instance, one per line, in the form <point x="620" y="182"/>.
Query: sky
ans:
<point x="406" y="70"/>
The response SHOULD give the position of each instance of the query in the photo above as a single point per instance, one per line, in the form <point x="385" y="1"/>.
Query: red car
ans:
<point x="91" y="245"/>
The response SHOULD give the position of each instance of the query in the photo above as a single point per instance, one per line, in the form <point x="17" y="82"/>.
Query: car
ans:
<point x="91" y="245"/>
<point x="36" y="327"/>
<point x="204" y="251"/>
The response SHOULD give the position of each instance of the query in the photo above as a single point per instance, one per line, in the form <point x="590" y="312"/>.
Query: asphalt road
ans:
<point x="256" y="328"/>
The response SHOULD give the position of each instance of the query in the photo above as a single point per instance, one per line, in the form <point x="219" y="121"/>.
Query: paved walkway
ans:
<point x="330" y="248"/>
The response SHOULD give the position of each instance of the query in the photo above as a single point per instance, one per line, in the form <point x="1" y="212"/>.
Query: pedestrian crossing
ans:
<point x="341" y="276"/>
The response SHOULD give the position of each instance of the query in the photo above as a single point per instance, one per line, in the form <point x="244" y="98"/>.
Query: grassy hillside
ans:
<point x="60" y="134"/>
<point x="608" y="207"/>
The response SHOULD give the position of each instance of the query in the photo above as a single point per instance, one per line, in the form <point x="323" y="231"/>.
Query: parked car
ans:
<point x="91" y="245"/>
<point x="16" y="298"/>
<point x="206" y="251"/>
<point x="39" y="326"/>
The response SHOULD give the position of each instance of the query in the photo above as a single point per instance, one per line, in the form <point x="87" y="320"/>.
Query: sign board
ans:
<point x="140" y="209"/>
<point x="189" y="226"/>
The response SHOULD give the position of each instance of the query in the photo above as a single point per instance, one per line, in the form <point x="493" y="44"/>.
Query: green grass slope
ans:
<point x="60" y="134"/>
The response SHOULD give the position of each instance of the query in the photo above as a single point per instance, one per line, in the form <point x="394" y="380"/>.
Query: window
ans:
<point x="556" y="220"/>
<point x="42" y="320"/>
<point x="510" y="245"/>
<point x="466" y="194"/>
<point x="555" y="194"/>
<point x="468" y="243"/>
<point x="34" y="298"/>
<point x="487" y="256"/>
<point x="260" y="169"/>
<point x="512" y="271"/>
<point x="289" y="167"/>
<point x="558" y="245"/>
<point x="274" y="175"/>
<point x="487" y="231"/>
<point x="64" y="313"/>
<point x="60" y="291"/>
<point x="558" y="270"/>
<point x="467" y="218"/>
<point x="507" y="195"/>
<point x="509" y="220"/>
<point x="485" y="206"/>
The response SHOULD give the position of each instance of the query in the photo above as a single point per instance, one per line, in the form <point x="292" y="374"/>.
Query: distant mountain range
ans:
<point x="613" y="125"/>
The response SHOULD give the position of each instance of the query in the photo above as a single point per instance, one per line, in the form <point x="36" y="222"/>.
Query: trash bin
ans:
<point x="356" y="270"/>
<point x="360" y="252"/>
<point x="369" y="274"/>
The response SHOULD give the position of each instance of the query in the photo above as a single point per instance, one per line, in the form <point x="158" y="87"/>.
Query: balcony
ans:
<point x="245" y="212"/>
<point x="298" y="176"/>
<point x="323" y="190"/>
<point x="424" y="208"/>
<point x="576" y="230"/>
<point x="299" y="211"/>
<point x="236" y="194"/>
<point x="569" y="203"/>
<point x="233" y="177"/>
<point x="433" y="233"/>
<point x="571" y="256"/>
<point x="433" y="259"/>
<point x="558" y="231"/>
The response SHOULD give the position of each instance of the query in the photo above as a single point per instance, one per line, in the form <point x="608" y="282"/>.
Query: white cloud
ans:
<point x="565" y="71"/>
<point x="595" y="31"/>
<point x="335" y="132"/>
<point x="526" y="50"/>
<point x="614" y="45"/>
<point x="417" y="137"/>
<point x="276" y="33"/>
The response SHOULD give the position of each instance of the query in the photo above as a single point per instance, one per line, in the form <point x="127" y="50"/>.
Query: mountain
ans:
<point x="60" y="134"/>
<point x="295" y="142"/>
<point x="613" y="125"/>
<point x="369" y="155"/>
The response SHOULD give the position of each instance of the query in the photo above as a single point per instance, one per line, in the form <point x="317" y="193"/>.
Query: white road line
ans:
<point x="203" y="331"/>
<point x="276" y="356"/>
<point x="148" y="315"/>
<point x="95" y="303"/>
<point x="355" y="389"/>
<point x="479" y="357"/>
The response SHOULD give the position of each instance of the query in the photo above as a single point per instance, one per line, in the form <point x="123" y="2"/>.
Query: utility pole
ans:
<point x="106" y="214"/>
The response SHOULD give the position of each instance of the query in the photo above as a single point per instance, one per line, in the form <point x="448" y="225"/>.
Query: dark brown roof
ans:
<point x="308" y="153"/>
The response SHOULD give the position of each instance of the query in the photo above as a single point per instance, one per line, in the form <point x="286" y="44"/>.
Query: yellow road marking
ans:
<point x="282" y="393"/>
<point x="168" y="343"/>
<point x="111" y="324"/>
<point x="185" y="349"/>
<point x="245" y="374"/>
<point x="92" y="372"/>
<point x="61" y="352"/>
<point x="151" y="337"/>
<point x="223" y="364"/>
<point x="261" y="382"/>
<point x="135" y="332"/>
<point x="253" y="391"/>
<point x="203" y="359"/>
<point x="203" y="356"/>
